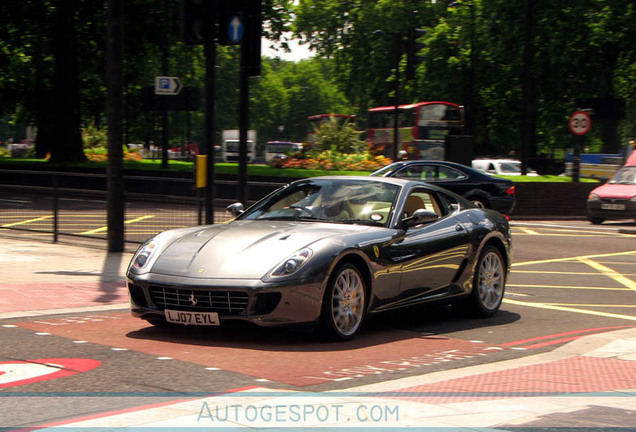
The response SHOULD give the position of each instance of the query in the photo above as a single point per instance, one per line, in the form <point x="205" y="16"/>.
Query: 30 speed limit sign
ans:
<point x="580" y="123"/>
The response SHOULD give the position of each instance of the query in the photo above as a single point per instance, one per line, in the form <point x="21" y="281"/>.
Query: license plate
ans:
<point x="613" y="206"/>
<point x="192" y="318"/>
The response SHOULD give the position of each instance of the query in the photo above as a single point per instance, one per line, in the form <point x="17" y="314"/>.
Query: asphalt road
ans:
<point x="568" y="280"/>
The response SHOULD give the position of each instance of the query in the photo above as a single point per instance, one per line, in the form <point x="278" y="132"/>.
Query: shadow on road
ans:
<point x="415" y="323"/>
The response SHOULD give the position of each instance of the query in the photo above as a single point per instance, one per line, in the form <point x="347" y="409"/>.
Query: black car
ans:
<point x="482" y="189"/>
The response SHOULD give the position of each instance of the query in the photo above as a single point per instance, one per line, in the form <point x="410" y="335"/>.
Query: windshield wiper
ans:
<point x="359" y="221"/>
<point x="311" y="218"/>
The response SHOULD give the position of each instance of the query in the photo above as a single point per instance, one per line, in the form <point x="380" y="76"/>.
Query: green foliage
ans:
<point x="94" y="137"/>
<point x="473" y="55"/>
<point x="581" y="49"/>
<point x="337" y="136"/>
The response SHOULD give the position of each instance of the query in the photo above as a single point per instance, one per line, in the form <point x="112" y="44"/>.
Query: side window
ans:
<point x="447" y="173"/>
<point x="429" y="173"/>
<point x="412" y="172"/>
<point x="421" y="199"/>
<point x="448" y="203"/>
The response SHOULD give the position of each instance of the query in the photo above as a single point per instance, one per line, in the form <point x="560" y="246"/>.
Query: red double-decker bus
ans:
<point x="315" y="121"/>
<point x="422" y="128"/>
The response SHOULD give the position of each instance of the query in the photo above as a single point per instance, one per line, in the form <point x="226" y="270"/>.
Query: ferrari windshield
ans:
<point x="329" y="200"/>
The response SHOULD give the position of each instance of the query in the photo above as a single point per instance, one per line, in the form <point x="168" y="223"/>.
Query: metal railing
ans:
<point x="74" y="204"/>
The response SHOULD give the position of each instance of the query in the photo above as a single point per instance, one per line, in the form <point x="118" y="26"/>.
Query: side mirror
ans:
<point x="236" y="208"/>
<point x="420" y="216"/>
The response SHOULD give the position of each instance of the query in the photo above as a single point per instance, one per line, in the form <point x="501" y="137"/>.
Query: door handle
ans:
<point x="459" y="227"/>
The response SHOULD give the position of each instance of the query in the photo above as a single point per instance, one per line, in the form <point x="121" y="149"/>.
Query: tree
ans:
<point x="582" y="49"/>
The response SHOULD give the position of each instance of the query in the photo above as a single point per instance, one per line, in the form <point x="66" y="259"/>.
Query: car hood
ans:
<point x="616" y="191"/>
<point x="242" y="249"/>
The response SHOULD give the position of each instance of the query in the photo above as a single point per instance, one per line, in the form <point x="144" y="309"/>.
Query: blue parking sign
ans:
<point x="164" y="83"/>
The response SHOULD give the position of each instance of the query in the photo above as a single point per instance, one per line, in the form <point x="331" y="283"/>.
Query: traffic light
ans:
<point x="197" y="23"/>
<point x="251" y="55"/>
<point x="412" y="50"/>
<point x="240" y="22"/>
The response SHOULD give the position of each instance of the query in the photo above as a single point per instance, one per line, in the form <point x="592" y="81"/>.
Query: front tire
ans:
<point x="344" y="303"/>
<point x="489" y="283"/>
<point x="596" y="220"/>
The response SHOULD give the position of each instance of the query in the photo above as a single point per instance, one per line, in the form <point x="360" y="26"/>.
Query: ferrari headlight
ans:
<point x="144" y="255"/>
<point x="592" y="197"/>
<point x="291" y="265"/>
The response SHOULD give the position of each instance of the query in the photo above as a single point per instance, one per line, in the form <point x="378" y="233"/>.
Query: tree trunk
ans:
<point x="66" y="144"/>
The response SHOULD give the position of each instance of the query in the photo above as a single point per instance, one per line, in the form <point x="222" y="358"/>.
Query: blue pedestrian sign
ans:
<point x="235" y="29"/>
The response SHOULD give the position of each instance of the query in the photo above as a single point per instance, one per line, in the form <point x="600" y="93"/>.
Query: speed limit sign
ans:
<point x="580" y="123"/>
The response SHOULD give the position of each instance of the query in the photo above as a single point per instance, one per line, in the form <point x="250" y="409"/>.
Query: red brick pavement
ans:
<point x="570" y="375"/>
<point x="295" y="359"/>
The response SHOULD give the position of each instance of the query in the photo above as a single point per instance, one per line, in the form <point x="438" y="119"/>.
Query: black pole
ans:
<point x="164" y="72"/>
<point x="526" y="108"/>
<point x="396" y="113"/>
<point x="114" y="102"/>
<point x="243" y="126"/>
<point x="471" y="76"/>
<point x="210" y="190"/>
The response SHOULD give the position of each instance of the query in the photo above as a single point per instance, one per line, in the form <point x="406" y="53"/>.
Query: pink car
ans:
<point x="616" y="199"/>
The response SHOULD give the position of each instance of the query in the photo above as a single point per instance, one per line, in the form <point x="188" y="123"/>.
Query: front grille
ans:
<point x="220" y="301"/>
<point x="613" y="201"/>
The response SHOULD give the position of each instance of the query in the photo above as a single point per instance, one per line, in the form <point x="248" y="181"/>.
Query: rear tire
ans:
<point x="343" y="307"/>
<point x="489" y="283"/>
<point x="479" y="202"/>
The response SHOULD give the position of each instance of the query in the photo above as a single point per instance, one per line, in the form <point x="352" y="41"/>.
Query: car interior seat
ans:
<point x="413" y="202"/>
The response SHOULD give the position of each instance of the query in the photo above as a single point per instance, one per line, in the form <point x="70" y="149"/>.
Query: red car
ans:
<point x="616" y="199"/>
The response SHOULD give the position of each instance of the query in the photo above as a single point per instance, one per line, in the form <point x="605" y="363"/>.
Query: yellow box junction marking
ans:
<point x="558" y="260"/>
<point x="570" y="309"/>
<point x="621" y="279"/>
<point x="603" y="270"/>
<point x="103" y="229"/>
<point x="26" y="221"/>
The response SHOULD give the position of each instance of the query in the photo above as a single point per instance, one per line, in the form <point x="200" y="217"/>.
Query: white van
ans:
<point x="230" y="151"/>
<point x="506" y="167"/>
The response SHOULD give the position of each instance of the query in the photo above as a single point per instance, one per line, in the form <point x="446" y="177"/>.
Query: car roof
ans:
<point x="497" y="160"/>
<point x="392" y="180"/>
<point x="456" y="165"/>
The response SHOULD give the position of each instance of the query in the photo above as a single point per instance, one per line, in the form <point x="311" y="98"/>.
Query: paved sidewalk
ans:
<point x="590" y="382"/>
<point x="44" y="278"/>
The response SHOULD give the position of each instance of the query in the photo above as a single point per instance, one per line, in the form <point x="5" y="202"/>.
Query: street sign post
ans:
<point x="580" y="123"/>
<point x="167" y="85"/>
